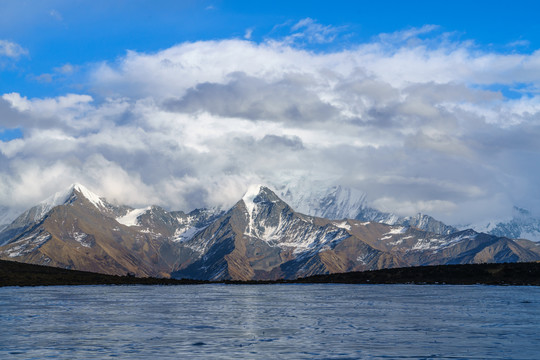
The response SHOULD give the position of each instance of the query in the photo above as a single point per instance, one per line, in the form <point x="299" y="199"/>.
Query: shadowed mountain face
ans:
<point x="260" y="237"/>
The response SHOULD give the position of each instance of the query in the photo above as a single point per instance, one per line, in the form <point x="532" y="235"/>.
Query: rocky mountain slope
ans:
<point x="76" y="229"/>
<point x="260" y="237"/>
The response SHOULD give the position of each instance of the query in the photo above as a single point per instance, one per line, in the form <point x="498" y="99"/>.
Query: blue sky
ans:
<point x="427" y="106"/>
<point x="80" y="33"/>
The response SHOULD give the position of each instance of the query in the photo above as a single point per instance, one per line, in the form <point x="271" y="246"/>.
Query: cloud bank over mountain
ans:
<point x="420" y="123"/>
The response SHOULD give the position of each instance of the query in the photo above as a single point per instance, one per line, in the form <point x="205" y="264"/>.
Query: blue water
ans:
<point x="270" y="322"/>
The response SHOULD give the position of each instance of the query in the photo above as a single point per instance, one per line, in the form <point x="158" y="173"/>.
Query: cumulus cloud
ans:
<point x="413" y="122"/>
<point x="69" y="112"/>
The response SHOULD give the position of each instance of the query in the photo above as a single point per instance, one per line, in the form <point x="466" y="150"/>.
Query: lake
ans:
<point x="285" y="321"/>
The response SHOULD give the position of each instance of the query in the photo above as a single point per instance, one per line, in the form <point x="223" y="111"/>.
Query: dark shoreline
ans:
<point x="19" y="274"/>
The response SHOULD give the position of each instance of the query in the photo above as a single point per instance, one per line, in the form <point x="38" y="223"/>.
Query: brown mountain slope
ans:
<point x="79" y="235"/>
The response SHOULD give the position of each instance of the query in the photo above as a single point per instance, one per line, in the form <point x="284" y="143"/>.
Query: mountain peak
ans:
<point x="337" y="202"/>
<point x="89" y="195"/>
<point x="252" y="192"/>
<point x="63" y="197"/>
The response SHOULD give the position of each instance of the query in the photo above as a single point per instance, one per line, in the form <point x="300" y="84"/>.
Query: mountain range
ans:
<point x="260" y="237"/>
<point x="339" y="202"/>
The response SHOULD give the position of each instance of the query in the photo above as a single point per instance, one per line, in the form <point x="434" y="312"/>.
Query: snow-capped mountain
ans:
<point x="336" y="202"/>
<point x="345" y="203"/>
<point x="65" y="197"/>
<point x="260" y="237"/>
<point x="419" y="221"/>
<point x="522" y="225"/>
<point x="77" y="229"/>
<point x="340" y="202"/>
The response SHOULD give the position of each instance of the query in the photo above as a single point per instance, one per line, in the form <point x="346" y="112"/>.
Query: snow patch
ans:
<point x="131" y="218"/>
<point x="90" y="196"/>
<point x="250" y="195"/>
<point x="61" y="198"/>
<point x="188" y="220"/>
<point x="398" y="230"/>
<point x="27" y="244"/>
<point x="364" y="258"/>
<point x="343" y="225"/>
<point x="440" y="243"/>
<point x="151" y="233"/>
<point x="393" y="231"/>
<point x="183" y="235"/>
<point x="80" y="238"/>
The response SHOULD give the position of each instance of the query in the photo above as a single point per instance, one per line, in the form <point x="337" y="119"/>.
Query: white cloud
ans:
<point x="11" y="49"/>
<point x="411" y="122"/>
<point x="61" y="72"/>
<point x="311" y="31"/>
<point x="399" y="37"/>
<point x="65" y="69"/>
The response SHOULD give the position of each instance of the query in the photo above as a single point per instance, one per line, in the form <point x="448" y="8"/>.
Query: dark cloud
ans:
<point x="287" y="100"/>
<point x="286" y="143"/>
<point x="10" y="117"/>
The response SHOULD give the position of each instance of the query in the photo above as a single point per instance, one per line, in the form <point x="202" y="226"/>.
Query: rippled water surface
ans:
<point x="270" y="321"/>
